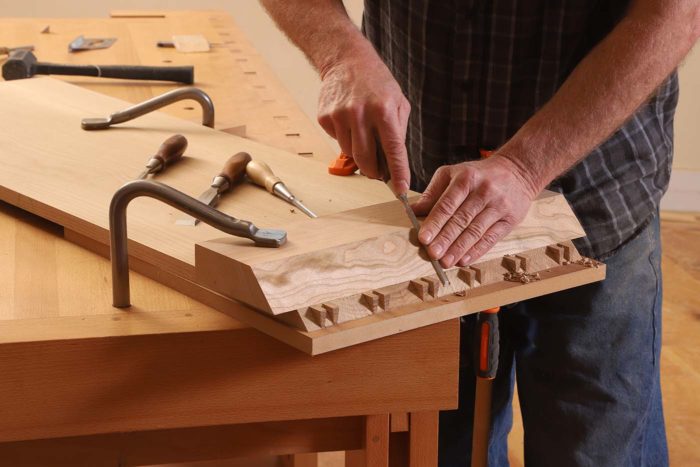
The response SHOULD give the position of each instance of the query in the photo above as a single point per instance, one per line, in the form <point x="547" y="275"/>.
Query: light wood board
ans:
<point x="57" y="170"/>
<point x="62" y="173"/>
<point x="353" y="252"/>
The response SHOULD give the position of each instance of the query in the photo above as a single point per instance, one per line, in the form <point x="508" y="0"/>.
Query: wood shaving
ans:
<point x="588" y="262"/>
<point x="522" y="277"/>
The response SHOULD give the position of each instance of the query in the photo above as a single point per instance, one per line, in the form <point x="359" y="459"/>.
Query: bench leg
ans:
<point x="376" y="451"/>
<point x="423" y="439"/>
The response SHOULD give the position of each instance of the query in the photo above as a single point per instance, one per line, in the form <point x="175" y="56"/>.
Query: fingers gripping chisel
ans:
<point x="261" y="174"/>
<point x="386" y="177"/>
<point x="169" y="152"/>
<point x="231" y="174"/>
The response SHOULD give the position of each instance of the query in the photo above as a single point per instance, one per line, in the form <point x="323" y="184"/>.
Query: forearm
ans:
<point x="605" y="89"/>
<point x="320" y="28"/>
<point x="360" y="103"/>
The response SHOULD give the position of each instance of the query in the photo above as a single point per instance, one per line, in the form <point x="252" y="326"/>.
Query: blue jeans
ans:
<point x="587" y="365"/>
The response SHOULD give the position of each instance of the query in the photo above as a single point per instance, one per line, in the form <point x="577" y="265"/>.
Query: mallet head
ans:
<point x="19" y="65"/>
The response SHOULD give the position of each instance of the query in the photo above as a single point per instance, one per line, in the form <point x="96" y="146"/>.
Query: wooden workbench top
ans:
<point x="248" y="96"/>
<point x="74" y="365"/>
<point x="43" y="276"/>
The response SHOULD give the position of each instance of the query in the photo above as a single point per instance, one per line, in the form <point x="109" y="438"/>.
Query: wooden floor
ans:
<point x="680" y="360"/>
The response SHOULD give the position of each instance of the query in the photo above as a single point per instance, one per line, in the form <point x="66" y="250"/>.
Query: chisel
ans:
<point x="261" y="174"/>
<point x="386" y="177"/>
<point x="231" y="174"/>
<point x="169" y="152"/>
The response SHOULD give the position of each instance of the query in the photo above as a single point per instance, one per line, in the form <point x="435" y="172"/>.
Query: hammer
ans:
<point x="23" y="64"/>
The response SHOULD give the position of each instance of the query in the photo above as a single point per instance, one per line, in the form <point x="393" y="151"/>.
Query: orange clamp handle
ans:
<point x="486" y="153"/>
<point x="487" y="344"/>
<point x="343" y="165"/>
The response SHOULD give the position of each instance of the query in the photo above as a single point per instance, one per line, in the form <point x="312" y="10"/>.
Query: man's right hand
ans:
<point x="361" y="103"/>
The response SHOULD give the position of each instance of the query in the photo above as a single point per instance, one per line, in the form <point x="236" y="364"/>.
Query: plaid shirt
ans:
<point x="475" y="71"/>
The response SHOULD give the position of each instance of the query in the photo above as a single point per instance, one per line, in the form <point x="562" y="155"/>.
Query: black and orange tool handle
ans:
<point x="170" y="151"/>
<point x="234" y="168"/>
<point x="487" y="342"/>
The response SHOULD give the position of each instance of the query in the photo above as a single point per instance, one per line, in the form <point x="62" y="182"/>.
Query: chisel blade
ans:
<point x="303" y="208"/>
<point x="416" y="225"/>
<point x="143" y="175"/>
<point x="210" y="198"/>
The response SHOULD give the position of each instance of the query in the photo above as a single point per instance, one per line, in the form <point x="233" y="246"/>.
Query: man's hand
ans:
<point x="470" y="207"/>
<point x="361" y="103"/>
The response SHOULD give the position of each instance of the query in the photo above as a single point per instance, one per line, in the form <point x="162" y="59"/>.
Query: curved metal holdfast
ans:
<point x="155" y="103"/>
<point x="118" y="232"/>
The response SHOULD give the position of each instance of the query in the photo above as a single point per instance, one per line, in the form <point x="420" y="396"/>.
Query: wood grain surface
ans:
<point x="73" y="366"/>
<point x="67" y="175"/>
<point x="353" y="252"/>
<point x="187" y="379"/>
<point x="57" y="170"/>
<point x="250" y="441"/>
<point x="249" y="97"/>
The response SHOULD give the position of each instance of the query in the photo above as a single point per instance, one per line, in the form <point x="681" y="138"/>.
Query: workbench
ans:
<point x="176" y="380"/>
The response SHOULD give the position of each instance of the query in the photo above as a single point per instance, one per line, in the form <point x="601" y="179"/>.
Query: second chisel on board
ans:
<point x="231" y="174"/>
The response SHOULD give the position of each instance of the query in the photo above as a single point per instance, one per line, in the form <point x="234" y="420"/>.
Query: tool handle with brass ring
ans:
<point x="170" y="151"/>
<point x="235" y="167"/>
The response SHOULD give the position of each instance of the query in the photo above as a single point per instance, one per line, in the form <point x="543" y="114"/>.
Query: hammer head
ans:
<point x="19" y="65"/>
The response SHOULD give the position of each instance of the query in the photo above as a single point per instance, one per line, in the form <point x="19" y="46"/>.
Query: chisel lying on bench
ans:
<point x="231" y="174"/>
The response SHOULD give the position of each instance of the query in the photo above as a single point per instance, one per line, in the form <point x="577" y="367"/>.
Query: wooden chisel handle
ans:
<point x="171" y="150"/>
<point x="261" y="174"/>
<point x="235" y="168"/>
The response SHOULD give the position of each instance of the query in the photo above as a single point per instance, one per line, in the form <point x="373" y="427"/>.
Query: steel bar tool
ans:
<point x="23" y="64"/>
<point x="231" y="174"/>
<point x="155" y="103"/>
<point x="261" y="174"/>
<point x="121" y="295"/>
<point x="169" y="152"/>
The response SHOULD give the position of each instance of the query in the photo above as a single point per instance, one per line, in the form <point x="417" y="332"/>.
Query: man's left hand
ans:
<point x="470" y="207"/>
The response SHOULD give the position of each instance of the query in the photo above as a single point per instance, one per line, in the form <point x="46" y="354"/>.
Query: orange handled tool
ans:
<point x="486" y="153"/>
<point x="486" y="350"/>
<point x="343" y="165"/>
<point x="486" y="354"/>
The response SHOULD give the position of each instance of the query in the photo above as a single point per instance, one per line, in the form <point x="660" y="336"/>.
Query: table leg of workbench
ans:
<point x="423" y="439"/>
<point x="376" y="451"/>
